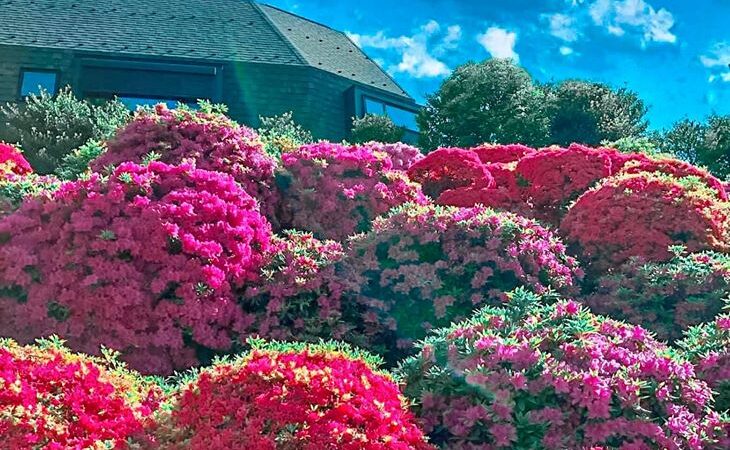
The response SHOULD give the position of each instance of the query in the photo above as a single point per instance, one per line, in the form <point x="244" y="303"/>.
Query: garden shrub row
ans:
<point x="188" y="240"/>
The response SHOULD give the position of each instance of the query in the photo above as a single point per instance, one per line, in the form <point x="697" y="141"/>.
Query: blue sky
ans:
<point x="674" y="53"/>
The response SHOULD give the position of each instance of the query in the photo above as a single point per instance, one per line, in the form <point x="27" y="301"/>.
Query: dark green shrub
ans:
<point x="76" y="163"/>
<point x="375" y="127"/>
<point x="50" y="127"/>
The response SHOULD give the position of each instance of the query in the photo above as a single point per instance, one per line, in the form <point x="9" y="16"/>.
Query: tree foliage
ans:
<point x="375" y="128"/>
<point x="706" y="144"/>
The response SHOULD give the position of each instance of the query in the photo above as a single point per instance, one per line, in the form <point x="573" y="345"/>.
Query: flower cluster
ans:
<point x="425" y="266"/>
<point x="12" y="161"/>
<point x="299" y="296"/>
<point x="402" y="155"/>
<point x="52" y="399"/>
<point x="665" y="297"/>
<point x="291" y="396"/>
<point x="556" y="377"/>
<point x="144" y="262"/>
<point x="708" y="347"/>
<point x="335" y="191"/>
<point x="209" y="139"/>
<point x="642" y="215"/>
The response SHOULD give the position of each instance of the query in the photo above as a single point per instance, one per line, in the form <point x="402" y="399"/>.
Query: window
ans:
<point x="34" y="81"/>
<point x="401" y="117"/>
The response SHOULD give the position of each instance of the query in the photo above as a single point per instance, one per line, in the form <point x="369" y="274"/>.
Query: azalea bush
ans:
<point x="53" y="399"/>
<point x="553" y="177"/>
<point x="299" y="296"/>
<point x="708" y="347"/>
<point x="206" y="137"/>
<point x="447" y="169"/>
<point x="144" y="262"/>
<point x="503" y="154"/>
<point x="665" y="297"/>
<point x="642" y="215"/>
<point x="555" y="377"/>
<point x="335" y="191"/>
<point x="291" y="396"/>
<point x="425" y="266"/>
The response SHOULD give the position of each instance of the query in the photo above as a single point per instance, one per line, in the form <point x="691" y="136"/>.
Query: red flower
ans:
<point x="450" y="168"/>
<point x="12" y="161"/>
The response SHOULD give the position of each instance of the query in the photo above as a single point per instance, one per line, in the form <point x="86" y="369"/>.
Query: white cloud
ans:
<point x="419" y="53"/>
<point x="562" y="26"/>
<point x="499" y="42"/>
<point x="565" y="50"/>
<point x="718" y="61"/>
<point x="618" y="15"/>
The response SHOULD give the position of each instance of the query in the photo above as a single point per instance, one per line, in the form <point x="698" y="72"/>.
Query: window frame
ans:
<point x="24" y="70"/>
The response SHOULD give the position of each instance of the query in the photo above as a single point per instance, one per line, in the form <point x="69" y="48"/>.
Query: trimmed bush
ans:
<point x="555" y="377"/>
<point x="375" y="127"/>
<point x="447" y="169"/>
<point x="335" y="191"/>
<point x="667" y="297"/>
<point x="144" y="262"/>
<point x="422" y="267"/>
<point x="206" y="137"/>
<point x="642" y="215"/>
<point x="291" y="396"/>
<point x="554" y="177"/>
<point x="53" y="399"/>
<point x="48" y="127"/>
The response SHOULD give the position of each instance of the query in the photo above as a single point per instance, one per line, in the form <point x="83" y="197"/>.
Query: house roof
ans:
<point x="233" y="30"/>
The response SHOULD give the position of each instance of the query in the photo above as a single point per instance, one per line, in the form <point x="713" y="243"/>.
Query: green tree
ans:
<point x="589" y="113"/>
<point x="375" y="127"/>
<point x="705" y="144"/>
<point x="491" y="101"/>
<point x="48" y="127"/>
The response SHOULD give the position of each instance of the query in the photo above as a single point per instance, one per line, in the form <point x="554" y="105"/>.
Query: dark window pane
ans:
<point x="34" y="82"/>
<point x="402" y="118"/>
<point x="373" y="106"/>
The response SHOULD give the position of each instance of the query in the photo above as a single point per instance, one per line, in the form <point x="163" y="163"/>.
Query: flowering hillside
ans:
<point x="360" y="297"/>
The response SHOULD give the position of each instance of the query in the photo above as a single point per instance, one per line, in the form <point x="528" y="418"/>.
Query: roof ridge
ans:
<point x="301" y="17"/>
<point x="276" y="29"/>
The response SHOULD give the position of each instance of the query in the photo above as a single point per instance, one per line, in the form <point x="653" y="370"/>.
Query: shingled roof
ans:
<point x="233" y="30"/>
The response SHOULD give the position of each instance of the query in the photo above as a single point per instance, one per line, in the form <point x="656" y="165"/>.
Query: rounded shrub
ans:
<point x="555" y="377"/>
<point x="291" y="396"/>
<point x="53" y="399"/>
<point x="12" y="162"/>
<point x="447" y="169"/>
<point x="206" y="137"/>
<point x="553" y="177"/>
<point x="144" y="262"/>
<point x="664" y="297"/>
<point x="375" y="127"/>
<point x="335" y="191"/>
<point x="425" y="266"/>
<point x="299" y="296"/>
<point x="642" y="215"/>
